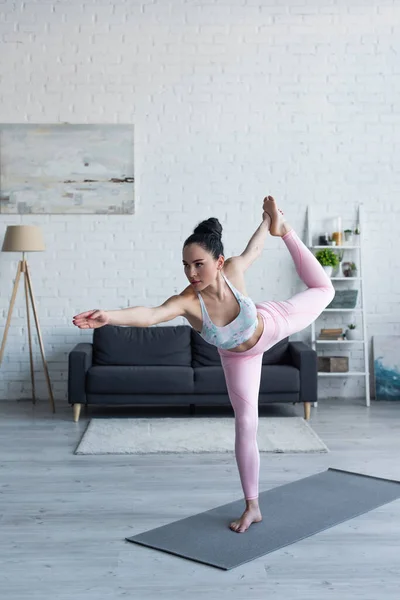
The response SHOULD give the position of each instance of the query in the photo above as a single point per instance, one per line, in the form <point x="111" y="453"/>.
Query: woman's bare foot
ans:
<point x="278" y="226"/>
<point x="252" y="514"/>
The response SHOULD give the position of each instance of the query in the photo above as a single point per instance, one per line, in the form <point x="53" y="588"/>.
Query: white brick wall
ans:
<point x="230" y="101"/>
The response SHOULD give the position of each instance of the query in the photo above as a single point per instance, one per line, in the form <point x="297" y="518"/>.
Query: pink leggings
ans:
<point x="243" y="369"/>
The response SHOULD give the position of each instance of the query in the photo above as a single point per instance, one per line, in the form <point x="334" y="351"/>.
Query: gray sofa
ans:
<point x="173" y="365"/>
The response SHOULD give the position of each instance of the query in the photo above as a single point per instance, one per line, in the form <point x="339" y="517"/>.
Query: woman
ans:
<point x="217" y="306"/>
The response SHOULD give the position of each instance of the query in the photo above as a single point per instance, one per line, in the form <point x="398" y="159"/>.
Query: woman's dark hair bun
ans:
<point x="208" y="234"/>
<point x="210" y="226"/>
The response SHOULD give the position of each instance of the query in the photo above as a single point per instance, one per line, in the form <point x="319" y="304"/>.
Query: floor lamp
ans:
<point x="25" y="238"/>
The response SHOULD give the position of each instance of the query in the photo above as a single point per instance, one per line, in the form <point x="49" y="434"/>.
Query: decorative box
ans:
<point x="333" y="364"/>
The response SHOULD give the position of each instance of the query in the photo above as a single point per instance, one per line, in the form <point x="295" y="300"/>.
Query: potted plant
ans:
<point x="348" y="235"/>
<point x="351" y="334"/>
<point x="328" y="259"/>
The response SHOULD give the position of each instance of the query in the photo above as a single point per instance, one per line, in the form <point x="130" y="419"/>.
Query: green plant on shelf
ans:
<point x="351" y="326"/>
<point x="327" y="258"/>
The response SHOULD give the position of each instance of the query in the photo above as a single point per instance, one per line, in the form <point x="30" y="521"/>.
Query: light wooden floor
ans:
<point x="64" y="517"/>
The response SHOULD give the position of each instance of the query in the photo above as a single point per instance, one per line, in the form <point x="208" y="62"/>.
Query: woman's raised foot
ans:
<point x="278" y="226"/>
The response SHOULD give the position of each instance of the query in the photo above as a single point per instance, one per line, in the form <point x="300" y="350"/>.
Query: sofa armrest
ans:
<point x="305" y="359"/>
<point x="79" y="361"/>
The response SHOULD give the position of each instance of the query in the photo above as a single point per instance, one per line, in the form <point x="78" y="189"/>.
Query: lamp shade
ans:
<point x="23" y="238"/>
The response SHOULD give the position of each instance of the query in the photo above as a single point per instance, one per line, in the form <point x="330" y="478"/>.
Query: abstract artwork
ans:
<point x="66" y="169"/>
<point x="387" y="366"/>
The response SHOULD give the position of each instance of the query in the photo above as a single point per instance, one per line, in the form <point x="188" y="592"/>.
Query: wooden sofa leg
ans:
<point x="77" y="411"/>
<point x="307" y="410"/>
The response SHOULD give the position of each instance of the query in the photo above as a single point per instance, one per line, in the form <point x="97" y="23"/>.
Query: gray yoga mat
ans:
<point x="291" y="512"/>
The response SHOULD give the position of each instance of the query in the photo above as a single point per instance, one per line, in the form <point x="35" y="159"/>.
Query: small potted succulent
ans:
<point x="351" y="333"/>
<point x="328" y="259"/>
<point x="349" y="269"/>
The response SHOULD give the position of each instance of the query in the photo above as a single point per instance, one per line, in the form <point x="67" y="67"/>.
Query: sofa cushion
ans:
<point x="203" y="353"/>
<point x="209" y="380"/>
<point x="139" y="380"/>
<point x="274" y="379"/>
<point x="278" y="354"/>
<point x="279" y="378"/>
<point x="165" y="345"/>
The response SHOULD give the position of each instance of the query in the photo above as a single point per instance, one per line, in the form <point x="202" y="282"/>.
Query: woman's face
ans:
<point x="200" y="266"/>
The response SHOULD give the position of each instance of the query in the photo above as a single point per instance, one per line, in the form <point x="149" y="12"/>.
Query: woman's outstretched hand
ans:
<point x="91" y="319"/>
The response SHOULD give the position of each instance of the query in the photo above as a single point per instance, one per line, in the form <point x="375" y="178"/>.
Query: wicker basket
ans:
<point x="344" y="299"/>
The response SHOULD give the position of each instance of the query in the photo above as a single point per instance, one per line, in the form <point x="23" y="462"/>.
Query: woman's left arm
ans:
<point x="254" y="248"/>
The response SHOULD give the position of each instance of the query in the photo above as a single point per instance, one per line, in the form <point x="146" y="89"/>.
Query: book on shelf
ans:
<point x="331" y="334"/>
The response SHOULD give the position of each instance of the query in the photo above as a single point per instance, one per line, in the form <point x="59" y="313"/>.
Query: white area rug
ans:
<point x="194" y="435"/>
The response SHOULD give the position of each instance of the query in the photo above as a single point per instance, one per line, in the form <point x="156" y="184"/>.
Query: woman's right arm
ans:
<point x="137" y="316"/>
<point x="142" y="316"/>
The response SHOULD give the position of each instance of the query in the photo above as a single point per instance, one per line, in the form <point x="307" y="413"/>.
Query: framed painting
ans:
<point x="66" y="169"/>
<point x="386" y="350"/>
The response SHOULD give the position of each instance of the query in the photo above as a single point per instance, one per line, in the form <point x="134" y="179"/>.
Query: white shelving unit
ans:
<point x="361" y="309"/>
